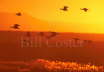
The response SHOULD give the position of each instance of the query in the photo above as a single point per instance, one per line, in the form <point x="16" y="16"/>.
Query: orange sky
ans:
<point x="73" y="20"/>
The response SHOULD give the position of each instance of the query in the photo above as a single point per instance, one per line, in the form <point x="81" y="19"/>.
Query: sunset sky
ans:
<point x="73" y="20"/>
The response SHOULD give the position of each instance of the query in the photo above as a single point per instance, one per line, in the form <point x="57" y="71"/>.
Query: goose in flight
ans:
<point x="65" y="8"/>
<point x="85" y="9"/>
<point x="16" y="26"/>
<point x="18" y="14"/>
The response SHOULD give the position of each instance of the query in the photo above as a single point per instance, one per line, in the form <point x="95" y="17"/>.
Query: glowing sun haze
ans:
<point x="73" y="20"/>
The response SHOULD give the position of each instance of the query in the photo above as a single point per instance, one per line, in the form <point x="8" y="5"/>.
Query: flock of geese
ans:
<point x="65" y="8"/>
